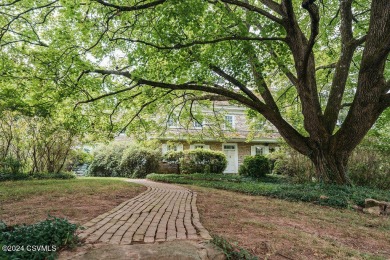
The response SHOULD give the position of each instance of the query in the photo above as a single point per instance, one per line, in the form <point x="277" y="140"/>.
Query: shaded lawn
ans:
<point x="278" y="187"/>
<point x="79" y="199"/>
<point x="278" y="229"/>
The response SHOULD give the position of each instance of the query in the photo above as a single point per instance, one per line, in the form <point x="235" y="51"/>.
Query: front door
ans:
<point x="230" y="150"/>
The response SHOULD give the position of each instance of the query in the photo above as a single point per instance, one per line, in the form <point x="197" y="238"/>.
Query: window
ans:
<point x="199" y="146"/>
<point x="172" y="147"/>
<point x="229" y="147"/>
<point x="259" y="150"/>
<point x="172" y="122"/>
<point x="229" y="121"/>
<point x="197" y="124"/>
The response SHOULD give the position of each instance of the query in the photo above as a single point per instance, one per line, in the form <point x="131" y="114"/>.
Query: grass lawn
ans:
<point x="79" y="199"/>
<point x="289" y="228"/>
<point x="278" y="229"/>
<point x="278" y="187"/>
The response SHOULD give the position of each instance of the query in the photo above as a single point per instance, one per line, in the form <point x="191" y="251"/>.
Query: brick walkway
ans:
<point x="164" y="212"/>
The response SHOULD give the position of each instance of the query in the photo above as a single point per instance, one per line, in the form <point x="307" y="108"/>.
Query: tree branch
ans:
<point x="209" y="97"/>
<point x="329" y="66"/>
<point x="348" y="46"/>
<point x="106" y="95"/>
<point x="131" y="8"/>
<point x="312" y="8"/>
<point x="200" y="42"/>
<point x="291" y="135"/>
<point x="235" y="82"/>
<point x="273" y="6"/>
<point x="253" y="8"/>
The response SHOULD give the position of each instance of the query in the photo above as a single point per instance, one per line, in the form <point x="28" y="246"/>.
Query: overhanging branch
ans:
<point x="253" y="8"/>
<point x="199" y="42"/>
<point x="131" y="8"/>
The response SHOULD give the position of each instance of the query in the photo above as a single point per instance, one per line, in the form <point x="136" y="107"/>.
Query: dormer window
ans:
<point x="229" y="121"/>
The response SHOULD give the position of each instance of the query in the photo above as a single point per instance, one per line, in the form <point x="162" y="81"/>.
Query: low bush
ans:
<point x="288" y="162"/>
<point x="106" y="161"/>
<point x="36" y="176"/>
<point x="369" y="168"/>
<point x="53" y="234"/>
<point x="202" y="161"/>
<point x="119" y="160"/>
<point x="137" y="162"/>
<point x="11" y="165"/>
<point x="254" y="166"/>
<point x="172" y="158"/>
<point x="59" y="175"/>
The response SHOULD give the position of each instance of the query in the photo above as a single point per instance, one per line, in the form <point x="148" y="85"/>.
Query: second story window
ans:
<point x="197" y="124"/>
<point x="229" y="121"/>
<point x="172" y="123"/>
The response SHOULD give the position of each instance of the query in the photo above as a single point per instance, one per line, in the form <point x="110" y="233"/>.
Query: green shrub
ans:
<point x="59" y="175"/>
<point x="55" y="233"/>
<point x="171" y="162"/>
<point x="107" y="160"/>
<point x="296" y="166"/>
<point x="76" y="158"/>
<point x="11" y="165"/>
<point x="119" y="160"/>
<point x="173" y="157"/>
<point x="369" y="168"/>
<point x="137" y="162"/>
<point x="203" y="161"/>
<point x="254" y="166"/>
<point x="36" y="176"/>
<point x="14" y="176"/>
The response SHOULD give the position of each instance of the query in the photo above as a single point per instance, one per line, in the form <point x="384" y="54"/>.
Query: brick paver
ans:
<point x="164" y="212"/>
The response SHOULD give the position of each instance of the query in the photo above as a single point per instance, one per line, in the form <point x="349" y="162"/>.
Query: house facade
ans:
<point x="234" y="136"/>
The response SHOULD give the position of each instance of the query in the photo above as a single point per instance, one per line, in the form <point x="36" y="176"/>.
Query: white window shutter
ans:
<point x="266" y="149"/>
<point x="207" y="147"/>
<point x="192" y="147"/>
<point x="253" y="150"/>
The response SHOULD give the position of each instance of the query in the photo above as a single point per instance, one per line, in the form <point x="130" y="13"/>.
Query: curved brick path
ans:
<point x="164" y="212"/>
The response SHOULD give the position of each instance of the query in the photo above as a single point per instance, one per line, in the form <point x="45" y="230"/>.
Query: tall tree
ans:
<point x="257" y="53"/>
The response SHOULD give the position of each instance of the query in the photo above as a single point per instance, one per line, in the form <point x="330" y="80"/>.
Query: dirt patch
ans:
<point x="78" y="205"/>
<point x="277" y="229"/>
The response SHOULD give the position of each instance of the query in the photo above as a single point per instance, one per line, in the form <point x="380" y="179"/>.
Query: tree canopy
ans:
<point x="318" y="71"/>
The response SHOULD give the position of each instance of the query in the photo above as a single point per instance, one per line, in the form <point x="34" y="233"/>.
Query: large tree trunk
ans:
<point x="331" y="166"/>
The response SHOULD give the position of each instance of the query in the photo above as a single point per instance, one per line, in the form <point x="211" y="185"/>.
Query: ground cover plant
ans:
<point x="277" y="229"/>
<point x="36" y="176"/>
<point x="52" y="234"/>
<point x="79" y="199"/>
<point x="232" y="252"/>
<point x="278" y="187"/>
